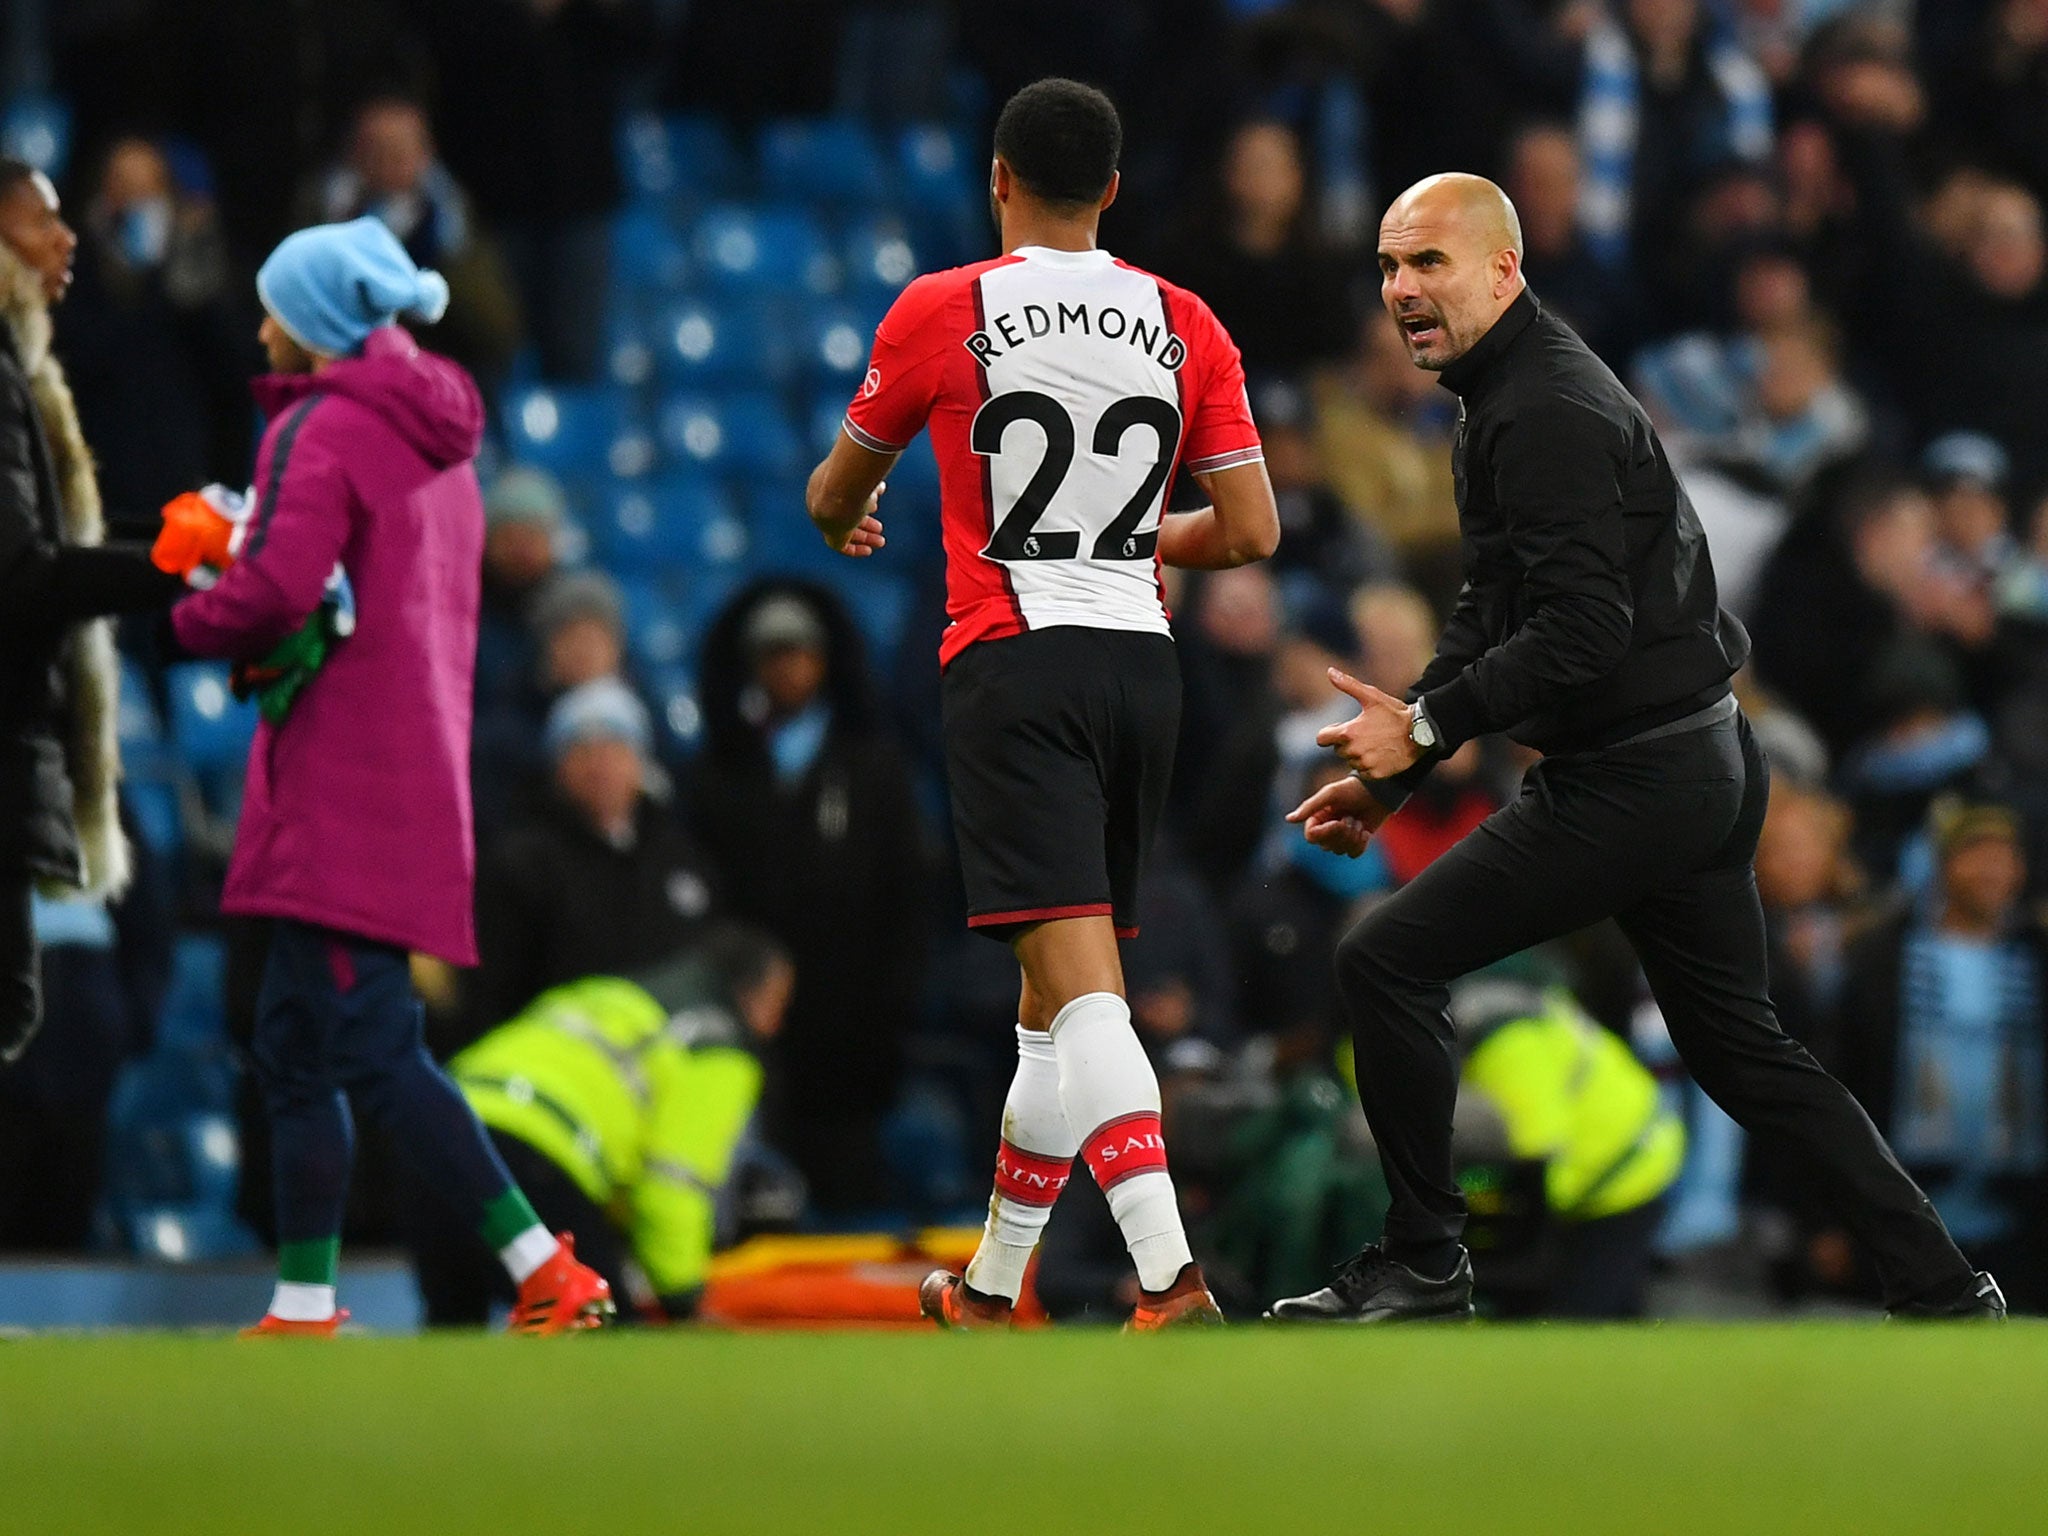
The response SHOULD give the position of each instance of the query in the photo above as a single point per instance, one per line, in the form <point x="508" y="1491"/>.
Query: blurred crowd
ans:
<point x="1808" y="233"/>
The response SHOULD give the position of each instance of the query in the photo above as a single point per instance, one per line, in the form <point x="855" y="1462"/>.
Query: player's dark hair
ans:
<point x="13" y="173"/>
<point x="1061" y="139"/>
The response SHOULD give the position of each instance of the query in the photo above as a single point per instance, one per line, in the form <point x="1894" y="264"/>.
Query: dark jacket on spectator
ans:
<point x="557" y="902"/>
<point x="58" y="685"/>
<point x="834" y="865"/>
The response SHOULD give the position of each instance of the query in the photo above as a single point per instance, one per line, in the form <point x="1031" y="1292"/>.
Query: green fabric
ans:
<point x="316" y="1262"/>
<point x="506" y="1217"/>
<point x="1305" y="1195"/>
<point x="281" y="676"/>
<point x="1573" y="1095"/>
<point x="596" y="1077"/>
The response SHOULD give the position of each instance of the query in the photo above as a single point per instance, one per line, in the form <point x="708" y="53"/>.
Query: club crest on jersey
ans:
<point x="1012" y="329"/>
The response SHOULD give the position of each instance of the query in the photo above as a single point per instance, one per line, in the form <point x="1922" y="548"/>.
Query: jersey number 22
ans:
<point x="1015" y="537"/>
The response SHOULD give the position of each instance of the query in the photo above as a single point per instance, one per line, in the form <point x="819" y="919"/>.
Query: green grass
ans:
<point x="1801" y="1428"/>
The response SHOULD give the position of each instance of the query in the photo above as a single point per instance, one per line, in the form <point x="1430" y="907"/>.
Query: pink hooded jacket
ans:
<point x="356" y="810"/>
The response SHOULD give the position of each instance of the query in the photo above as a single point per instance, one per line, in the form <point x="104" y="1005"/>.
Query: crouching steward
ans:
<point x="619" y="1103"/>
<point x="355" y="836"/>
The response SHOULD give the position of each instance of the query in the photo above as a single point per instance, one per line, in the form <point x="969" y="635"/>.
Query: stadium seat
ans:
<point x="648" y="253"/>
<point x="577" y="431"/>
<point x="784" y="540"/>
<point x="833" y="161"/>
<point x="932" y="169"/>
<point x="881" y="605"/>
<point x="760" y="437"/>
<point x="36" y="127"/>
<point x="193" y="1017"/>
<point x="665" y="159"/>
<point x="149" y="766"/>
<point x="628" y="343"/>
<point x="742" y="340"/>
<point x="677" y="714"/>
<point x="748" y="431"/>
<point x="775" y="248"/>
<point x="878" y="257"/>
<point x="837" y="340"/>
<point x="211" y="727"/>
<point x="677" y="523"/>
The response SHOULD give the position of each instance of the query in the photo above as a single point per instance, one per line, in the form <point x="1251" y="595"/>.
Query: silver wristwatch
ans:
<point x="1421" y="729"/>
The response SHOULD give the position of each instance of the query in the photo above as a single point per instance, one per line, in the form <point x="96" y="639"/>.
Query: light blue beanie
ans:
<point x="333" y="284"/>
<point x="604" y="710"/>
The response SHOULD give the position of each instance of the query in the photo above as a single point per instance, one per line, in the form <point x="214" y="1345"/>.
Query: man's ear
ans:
<point x="1001" y="180"/>
<point x="1116" y="181"/>
<point x="1507" y="272"/>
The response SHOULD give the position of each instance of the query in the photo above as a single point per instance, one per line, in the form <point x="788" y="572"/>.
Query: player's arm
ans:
<point x="1241" y="523"/>
<point x="890" y="408"/>
<point x="843" y="494"/>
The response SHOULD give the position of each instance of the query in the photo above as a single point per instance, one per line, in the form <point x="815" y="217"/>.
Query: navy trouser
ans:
<point x="338" y="1034"/>
<point x="1661" y="836"/>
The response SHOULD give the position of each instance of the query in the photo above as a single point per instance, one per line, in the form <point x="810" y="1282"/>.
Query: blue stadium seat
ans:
<point x="212" y="729"/>
<point x="678" y="716"/>
<point x="933" y="169"/>
<point x="748" y="431"/>
<point x="837" y="340"/>
<point x="648" y="253"/>
<point x="879" y="257"/>
<point x="760" y="437"/>
<point x="36" y="127"/>
<point x="194" y="1009"/>
<point x="881" y="605"/>
<point x="628" y="343"/>
<point x="834" y="161"/>
<point x="676" y="523"/>
<point x="577" y="431"/>
<point x="742" y="340"/>
<point x="149" y="779"/>
<point x="784" y="540"/>
<point x="776" y="248"/>
<point x="667" y="158"/>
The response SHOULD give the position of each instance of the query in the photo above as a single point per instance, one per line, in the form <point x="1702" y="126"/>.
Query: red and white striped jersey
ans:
<point x="1063" y="390"/>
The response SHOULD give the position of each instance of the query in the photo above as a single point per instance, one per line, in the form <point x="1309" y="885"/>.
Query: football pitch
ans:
<point x="1829" y="1427"/>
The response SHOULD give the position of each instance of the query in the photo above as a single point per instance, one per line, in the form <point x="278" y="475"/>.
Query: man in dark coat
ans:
<point x="804" y="801"/>
<point x="600" y="880"/>
<point x="59" y="823"/>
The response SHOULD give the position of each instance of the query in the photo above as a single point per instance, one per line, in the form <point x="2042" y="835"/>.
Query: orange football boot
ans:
<point x="272" y="1326"/>
<point x="563" y="1296"/>
<point x="943" y="1297"/>
<point x="1184" y="1304"/>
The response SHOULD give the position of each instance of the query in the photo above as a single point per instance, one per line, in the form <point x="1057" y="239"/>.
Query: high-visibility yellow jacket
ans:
<point x="1573" y="1095"/>
<point x="641" y="1110"/>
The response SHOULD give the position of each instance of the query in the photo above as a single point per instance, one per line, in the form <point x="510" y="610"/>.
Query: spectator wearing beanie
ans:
<point x="600" y="879"/>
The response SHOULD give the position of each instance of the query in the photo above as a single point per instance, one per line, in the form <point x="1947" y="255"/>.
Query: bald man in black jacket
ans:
<point x="1588" y="627"/>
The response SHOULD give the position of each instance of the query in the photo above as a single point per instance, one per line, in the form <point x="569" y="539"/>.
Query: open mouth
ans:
<point x="1421" y="330"/>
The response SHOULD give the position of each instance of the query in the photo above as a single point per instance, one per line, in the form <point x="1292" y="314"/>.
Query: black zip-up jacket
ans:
<point x="47" y="587"/>
<point x="1589" y="611"/>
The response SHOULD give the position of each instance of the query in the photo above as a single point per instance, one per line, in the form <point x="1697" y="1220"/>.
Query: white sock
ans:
<point x="527" y="1252"/>
<point x="294" y="1301"/>
<point x="1108" y="1086"/>
<point x="1032" y="1166"/>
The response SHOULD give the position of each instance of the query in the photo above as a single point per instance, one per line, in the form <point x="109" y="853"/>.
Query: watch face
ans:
<point x="1422" y="732"/>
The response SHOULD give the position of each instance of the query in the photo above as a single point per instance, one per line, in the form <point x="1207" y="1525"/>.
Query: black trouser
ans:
<point x="459" y="1278"/>
<point x="1660" y="836"/>
<point x="21" y="992"/>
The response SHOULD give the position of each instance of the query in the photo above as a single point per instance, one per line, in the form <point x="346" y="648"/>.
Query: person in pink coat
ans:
<point x="356" y="834"/>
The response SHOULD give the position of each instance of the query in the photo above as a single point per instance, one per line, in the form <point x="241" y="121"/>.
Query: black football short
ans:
<point x="1059" y="746"/>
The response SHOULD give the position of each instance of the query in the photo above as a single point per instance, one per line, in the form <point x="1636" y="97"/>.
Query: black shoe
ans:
<point x="1373" y="1288"/>
<point x="1981" y="1302"/>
